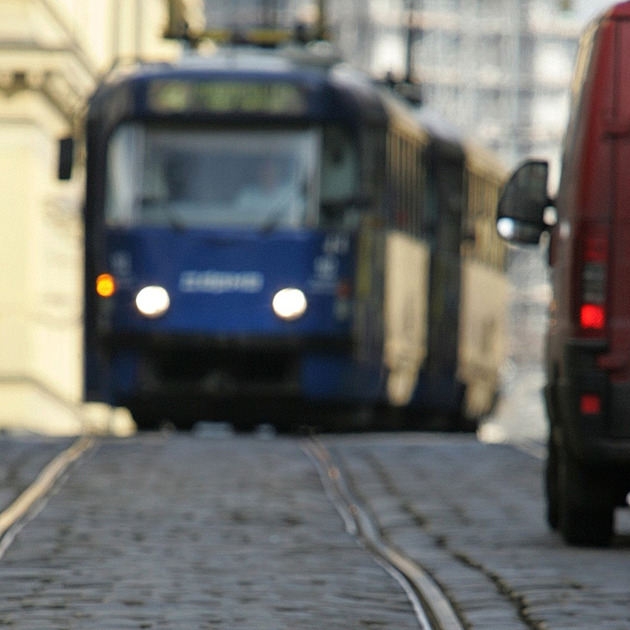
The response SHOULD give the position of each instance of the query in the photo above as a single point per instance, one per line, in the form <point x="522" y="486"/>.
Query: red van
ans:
<point x="588" y="341"/>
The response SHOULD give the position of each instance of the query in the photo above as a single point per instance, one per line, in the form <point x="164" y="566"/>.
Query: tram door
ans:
<point x="446" y="176"/>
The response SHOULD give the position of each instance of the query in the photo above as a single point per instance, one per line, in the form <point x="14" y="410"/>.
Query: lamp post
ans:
<point x="413" y="8"/>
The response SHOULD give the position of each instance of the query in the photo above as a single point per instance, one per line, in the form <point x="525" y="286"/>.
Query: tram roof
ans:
<point x="330" y="90"/>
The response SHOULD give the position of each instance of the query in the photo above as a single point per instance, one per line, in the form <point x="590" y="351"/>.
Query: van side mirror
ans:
<point x="66" y="158"/>
<point x="521" y="209"/>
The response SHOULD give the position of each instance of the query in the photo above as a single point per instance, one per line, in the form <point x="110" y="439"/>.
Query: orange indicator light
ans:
<point x="105" y="285"/>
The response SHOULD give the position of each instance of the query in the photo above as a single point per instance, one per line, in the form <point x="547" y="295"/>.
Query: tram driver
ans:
<point x="272" y="197"/>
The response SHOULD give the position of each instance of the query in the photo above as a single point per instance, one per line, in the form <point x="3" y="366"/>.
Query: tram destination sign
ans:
<point x="177" y="96"/>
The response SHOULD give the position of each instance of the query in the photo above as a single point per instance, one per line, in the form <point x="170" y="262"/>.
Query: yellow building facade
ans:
<point x="52" y="53"/>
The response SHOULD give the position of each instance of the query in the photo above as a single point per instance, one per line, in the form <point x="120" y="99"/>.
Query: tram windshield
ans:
<point x="212" y="178"/>
<point x="208" y="178"/>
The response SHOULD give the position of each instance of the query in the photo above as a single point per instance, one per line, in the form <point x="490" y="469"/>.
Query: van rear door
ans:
<point x="618" y="131"/>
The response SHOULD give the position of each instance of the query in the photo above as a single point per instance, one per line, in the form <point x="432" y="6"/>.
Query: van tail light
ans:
<point x="592" y="310"/>
<point x="590" y="404"/>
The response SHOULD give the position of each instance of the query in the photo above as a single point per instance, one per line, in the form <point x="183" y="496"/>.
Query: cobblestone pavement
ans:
<point x="177" y="532"/>
<point x="472" y="515"/>
<point x="187" y="531"/>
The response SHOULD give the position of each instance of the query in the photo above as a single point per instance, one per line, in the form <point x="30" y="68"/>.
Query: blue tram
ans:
<point x="273" y="227"/>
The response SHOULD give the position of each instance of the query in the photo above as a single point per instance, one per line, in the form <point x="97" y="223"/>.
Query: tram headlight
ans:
<point x="153" y="301"/>
<point x="289" y="304"/>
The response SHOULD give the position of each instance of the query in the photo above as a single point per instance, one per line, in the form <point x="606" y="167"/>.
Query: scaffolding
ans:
<point x="498" y="69"/>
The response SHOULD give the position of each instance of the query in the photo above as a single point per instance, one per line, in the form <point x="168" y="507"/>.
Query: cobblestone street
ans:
<point x="223" y="531"/>
<point x="472" y="514"/>
<point x="181" y="533"/>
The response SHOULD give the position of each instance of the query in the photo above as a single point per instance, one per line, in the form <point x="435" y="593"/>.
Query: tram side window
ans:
<point x="407" y="180"/>
<point x="340" y="183"/>
<point x="485" y="246"/>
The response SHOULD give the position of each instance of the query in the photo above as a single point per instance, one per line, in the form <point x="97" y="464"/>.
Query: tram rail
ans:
<point x="431" y="605"/>
<point x="32" y="499"/>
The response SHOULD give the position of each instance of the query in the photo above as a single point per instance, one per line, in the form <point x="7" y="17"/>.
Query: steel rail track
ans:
<point x="431" y="605"/>
<point x="30" y="501"/>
